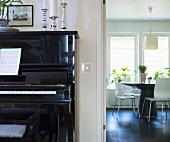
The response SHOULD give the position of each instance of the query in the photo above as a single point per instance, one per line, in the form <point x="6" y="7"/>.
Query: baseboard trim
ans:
<point x="112" y="106"/>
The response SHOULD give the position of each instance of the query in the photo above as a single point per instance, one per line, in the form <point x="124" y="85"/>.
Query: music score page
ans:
<point x="9" y="61"/>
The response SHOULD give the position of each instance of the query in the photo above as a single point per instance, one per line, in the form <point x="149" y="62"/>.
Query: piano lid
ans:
<point x="46" y="58"/>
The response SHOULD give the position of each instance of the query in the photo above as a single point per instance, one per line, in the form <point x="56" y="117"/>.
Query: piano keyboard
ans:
<point x="27" y="92"/>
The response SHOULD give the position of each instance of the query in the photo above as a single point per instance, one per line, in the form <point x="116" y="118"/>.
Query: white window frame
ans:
<point x="136" y="36"/>
<point x="159" y="35"/>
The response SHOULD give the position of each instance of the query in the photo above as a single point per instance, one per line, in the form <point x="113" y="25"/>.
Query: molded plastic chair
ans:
<point x="126" y="79"/>
<point x="121" y="96"/>
<point x="132" y="91"/>
<point x="21" y="130"/>
<point x="161" y="94"/>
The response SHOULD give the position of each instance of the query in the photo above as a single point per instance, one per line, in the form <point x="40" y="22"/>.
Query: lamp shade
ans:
<point x="151" y="43"/>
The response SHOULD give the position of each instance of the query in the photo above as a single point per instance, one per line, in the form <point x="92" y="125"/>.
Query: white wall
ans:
<point x="137" y="27"/>
<point x="81" y="16"/>
<point x="71" y="14"/>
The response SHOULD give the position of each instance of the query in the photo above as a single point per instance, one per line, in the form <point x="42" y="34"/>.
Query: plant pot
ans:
<point x="142" y="77"/>
<point x="149" y="80"/>
<point x="4" y="22"/>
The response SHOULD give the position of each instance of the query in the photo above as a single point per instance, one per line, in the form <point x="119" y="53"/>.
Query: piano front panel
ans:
<point x="54" y="77"/>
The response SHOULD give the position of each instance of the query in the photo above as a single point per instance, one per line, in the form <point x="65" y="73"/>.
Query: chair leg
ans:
<point x="133" y="106"/>
<point x="166" y="109"/>
<point x="142" y="109"/>
<point x="138" y="107"/>
<point x="114" y="106"/>
<point x="162" y="108"/>
<point x="149" y="111"/>
<point x="136" y="102"/>
<point x="120" y="102"/>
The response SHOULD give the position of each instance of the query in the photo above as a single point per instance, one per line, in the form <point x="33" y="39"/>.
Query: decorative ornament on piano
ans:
<point x="53" y="14"/>
<point x="63" y="21"/>
<point x="53" y="23"/>
<point x="44" y="24"/>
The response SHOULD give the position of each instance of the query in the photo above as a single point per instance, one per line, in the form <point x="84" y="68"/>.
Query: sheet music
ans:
<point x="9" y="61"/>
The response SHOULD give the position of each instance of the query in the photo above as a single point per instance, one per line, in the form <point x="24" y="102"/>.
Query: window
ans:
<point x="122" y="53"/>
<point x="157" y="59"/>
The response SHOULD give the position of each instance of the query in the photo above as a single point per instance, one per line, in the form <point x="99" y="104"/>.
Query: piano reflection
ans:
<point x="46" y="75"/>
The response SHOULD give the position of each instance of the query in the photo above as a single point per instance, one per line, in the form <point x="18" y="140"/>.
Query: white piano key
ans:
<point x="28" y="92"/>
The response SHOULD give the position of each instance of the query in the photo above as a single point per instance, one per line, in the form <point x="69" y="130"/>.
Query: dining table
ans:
<point x="147" y="90"/>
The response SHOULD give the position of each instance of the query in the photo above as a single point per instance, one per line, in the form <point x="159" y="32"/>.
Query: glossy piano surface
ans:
<point x="46" y="75"/>
<point x="46" y="57"/>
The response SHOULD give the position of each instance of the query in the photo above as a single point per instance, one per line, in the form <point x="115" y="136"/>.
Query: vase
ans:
<point x="4" y="22"/>
<point x="142" y="77"/>
<point x="4" y="26"/>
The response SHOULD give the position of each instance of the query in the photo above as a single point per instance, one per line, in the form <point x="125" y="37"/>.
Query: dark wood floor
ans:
<point x="129" y="128"/>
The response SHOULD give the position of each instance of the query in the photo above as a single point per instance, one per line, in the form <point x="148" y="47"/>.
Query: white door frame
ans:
<point x="101" y="71"/>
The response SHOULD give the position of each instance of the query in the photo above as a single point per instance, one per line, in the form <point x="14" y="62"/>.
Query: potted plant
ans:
<point x="161" y="74"/>
<point x="124" y="72"/>
<point x="4" y="4"/>
<point x="142" y="69"/>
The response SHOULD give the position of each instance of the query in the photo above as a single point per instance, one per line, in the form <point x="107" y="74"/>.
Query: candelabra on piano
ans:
<point x="63" y="21"/>
<point x="44" y="24"/>
<point x="53" y="23"/>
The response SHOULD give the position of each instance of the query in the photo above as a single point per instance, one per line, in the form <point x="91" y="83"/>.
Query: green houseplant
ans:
<point x="142" y="69"/>
<point x="4" y="4"/>
<point x="124" y="72"/>
<point x="161" y="74"/>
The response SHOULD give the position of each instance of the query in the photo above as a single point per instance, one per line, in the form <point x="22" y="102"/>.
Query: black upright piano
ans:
<point x="46" y="75"/>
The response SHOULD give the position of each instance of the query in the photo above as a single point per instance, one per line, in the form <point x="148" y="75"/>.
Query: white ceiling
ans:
<point x="137" y="9"/>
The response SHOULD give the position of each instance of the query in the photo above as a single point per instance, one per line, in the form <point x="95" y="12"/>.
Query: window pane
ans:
<point x="157" y="59"/>
<point x="162" y="55"/>
<point x="116" y="55"/>
<point x="128" y="55"/>
<point x="163" y="42"/>
<point x="122" y="53"/>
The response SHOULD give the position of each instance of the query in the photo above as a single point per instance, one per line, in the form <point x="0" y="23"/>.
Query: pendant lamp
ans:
<point x="151" y="41"/>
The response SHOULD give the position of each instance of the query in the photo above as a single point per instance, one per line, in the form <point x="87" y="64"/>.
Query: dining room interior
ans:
<point x="128" y="26"/>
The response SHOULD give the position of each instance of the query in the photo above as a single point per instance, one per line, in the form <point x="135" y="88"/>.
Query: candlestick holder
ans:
<point x="53" y="23"/>
<point x="44" y="23"/>
<point x="63" y="20"/>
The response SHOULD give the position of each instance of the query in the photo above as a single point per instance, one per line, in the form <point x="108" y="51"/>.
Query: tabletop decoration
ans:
<point x="142" y="69"/>
<point x="149" y="80"/>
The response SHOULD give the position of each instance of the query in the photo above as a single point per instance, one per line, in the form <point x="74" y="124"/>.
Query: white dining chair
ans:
<point x="120" y="95"/>
<point x="132" y="92"/>
<point x="161" y="94"/>
<point x="126" y="79"/>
